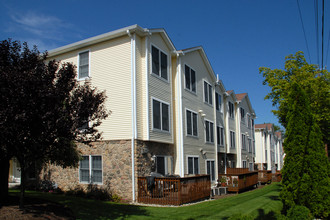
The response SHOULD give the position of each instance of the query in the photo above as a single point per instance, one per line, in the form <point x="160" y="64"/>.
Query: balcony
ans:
<point x="173" y="191"/>
<point x="240" y="179"/>
<point x="265" y="176"/>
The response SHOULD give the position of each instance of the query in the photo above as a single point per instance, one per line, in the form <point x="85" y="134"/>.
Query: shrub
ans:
<point x="299" y="212"/>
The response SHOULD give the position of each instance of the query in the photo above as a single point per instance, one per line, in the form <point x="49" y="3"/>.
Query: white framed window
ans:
<point x="209" y="131"/>
<point x="207" y="93"/>
<point x="231" y="109"/>
<point x="190" y="79"/>
<point x="210" y="169"/>
<point x="232" y="140"/>
<point x="164" y="165"/>
<point x="243" y="142"/>
<point x="250" y="144"/>
<point x="160" y="115"/>
<point x="232" y="164"/>
<point x="159" y="63"/>
<point x="242" y="115"/>
<point x="220" y="136"/>
<point x="244" y="164"/>
<point x="90" y="169"/>
<point x="249" y="122"/>
<point x="83" y="65"/>
<point x="193" y="164"/>
<point x="191" y="123"/>
<point x="218" y="102"/>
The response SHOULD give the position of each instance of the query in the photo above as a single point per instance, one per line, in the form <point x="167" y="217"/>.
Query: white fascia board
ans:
<point x="99" y="38"/>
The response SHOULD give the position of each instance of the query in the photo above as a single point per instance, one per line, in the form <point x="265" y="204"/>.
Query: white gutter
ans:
<point x="133" y="89"/>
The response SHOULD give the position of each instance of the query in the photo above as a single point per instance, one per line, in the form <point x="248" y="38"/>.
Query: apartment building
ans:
<point x="170" y="113"/>
<point x="269" y="149"/>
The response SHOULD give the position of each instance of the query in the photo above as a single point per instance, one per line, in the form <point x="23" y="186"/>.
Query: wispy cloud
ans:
<point x="46" y="30"/>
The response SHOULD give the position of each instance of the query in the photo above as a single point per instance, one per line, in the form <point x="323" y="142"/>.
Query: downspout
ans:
<point x="147" y="82"/>
<point x="216" y="131"/>
<point x="133" y="89"/>
<point x="225" y="111"/>
<point x="180" y="139"/>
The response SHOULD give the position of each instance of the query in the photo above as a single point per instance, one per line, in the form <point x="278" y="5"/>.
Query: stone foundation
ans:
<point x="116" y="165"/>
<point x="117" y="171"/>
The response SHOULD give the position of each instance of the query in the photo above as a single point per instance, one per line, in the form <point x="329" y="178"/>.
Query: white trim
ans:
<point x="89" y="64"/>
<point x="193" y="156"/>
<point x="161" y="114"/>
<point x="191" y="135"/>
<point x="180" y="136"/>
<point x="147" y="85"/>
<point x="223" y="136"/>
<point x="168" y="64"/>
<point x="133" y="92"/>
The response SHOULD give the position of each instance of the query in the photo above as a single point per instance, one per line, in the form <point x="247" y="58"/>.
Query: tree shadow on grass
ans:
<point x="269" y="216"/>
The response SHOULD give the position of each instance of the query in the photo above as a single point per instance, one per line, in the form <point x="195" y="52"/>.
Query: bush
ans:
<point x="299" y="212"/>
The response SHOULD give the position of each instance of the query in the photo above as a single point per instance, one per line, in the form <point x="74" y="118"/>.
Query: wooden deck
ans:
<point x="174" y="191"/>
<point x="277" y="177"/>
<point x="239" y="179"/>
<point x="265" y="176"/>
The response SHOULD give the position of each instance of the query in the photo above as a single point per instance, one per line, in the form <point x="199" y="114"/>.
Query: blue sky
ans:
<point x="238" y="36"/>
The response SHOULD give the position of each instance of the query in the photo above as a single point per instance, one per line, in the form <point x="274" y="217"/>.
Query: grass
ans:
<point x="258" y="204"/>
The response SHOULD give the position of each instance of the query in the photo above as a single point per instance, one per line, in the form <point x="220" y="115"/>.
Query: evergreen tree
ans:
<point x="306" y="167"/>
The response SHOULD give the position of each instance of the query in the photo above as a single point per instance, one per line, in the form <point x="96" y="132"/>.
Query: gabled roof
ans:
<point x="266" y="126"/>
<point x="202" y="53"/>
<point x="232" y="94"/>
<point x="113" y="34"/>
<point x="239" y="97"/>
<point x="245" y="96"/>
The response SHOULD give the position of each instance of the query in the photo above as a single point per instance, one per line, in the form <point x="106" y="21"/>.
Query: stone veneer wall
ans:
<point x="144" y="150"/>
<point x="117" y="171"/>
<point x="116" y="162"/>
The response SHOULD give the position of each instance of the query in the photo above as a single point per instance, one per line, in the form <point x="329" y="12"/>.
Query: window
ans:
<point x="250" y="145"/>
<point x="210" y="169"/>
<point x="190" y="77"/>
<point x="83" y="71"/>
<point x="254" y="147"/>
<point x="232" y="164"/>
<point x="242" y="115"/>
<point x="160" y="112"/>
<point x="266" y="155"/>
<point x="218" y="101"/>
<point x="191" y="118"/>
<point x="244" y="164"/>
<point x="220" y="136"/>
<point x="193" y="165"/>
<point x="231" y="109"/>
<point x="207" y="93"/>
<point x="164" y="165"/>
<point x="90" y="169"/>
<point x="250" y="166"/>
<point x="243" y="142"/>
<point x="232" y="139"/>
<point x="209" y="133"/>
<point x="159" y="63"/>
<point x="249" y="122"/>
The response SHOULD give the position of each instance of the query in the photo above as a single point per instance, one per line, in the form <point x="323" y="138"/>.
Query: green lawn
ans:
<point x="259" y="204"/>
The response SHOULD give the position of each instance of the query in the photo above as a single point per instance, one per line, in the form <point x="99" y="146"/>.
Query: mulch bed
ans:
<point x="34" y="209"/>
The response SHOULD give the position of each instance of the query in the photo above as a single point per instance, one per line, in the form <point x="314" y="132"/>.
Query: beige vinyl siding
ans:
<point x="110" y="70"/>
<point x="195" y="102"/>
<point x="160" y="89"/>
<point x="141" y="89"/>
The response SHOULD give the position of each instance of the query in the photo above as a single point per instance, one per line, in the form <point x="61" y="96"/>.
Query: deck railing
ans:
<point x="277" y="177"/>
<point x="239" y="179"/>
<point x="264" y="176"/>
<point x="173" y="191"/>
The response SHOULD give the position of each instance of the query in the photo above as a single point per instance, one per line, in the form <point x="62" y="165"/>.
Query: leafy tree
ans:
<point x="42" y="111"/>
<point x="314" y="81"/>
<point x="306" y="175"/>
